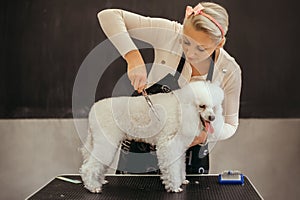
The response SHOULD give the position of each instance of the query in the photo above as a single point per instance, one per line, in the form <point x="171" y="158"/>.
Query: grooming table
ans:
<point x="138" y="187"/>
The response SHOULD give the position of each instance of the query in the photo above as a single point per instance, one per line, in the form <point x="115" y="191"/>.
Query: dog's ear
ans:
<point x="216" y="93"/>
<point x="197" y="90"/>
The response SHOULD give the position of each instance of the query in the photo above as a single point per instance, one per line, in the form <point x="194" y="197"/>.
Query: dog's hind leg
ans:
<point x="87" y="147"/>
<point x="101" y="156"/>
<point x="90" y="165"/>
<point x="90" y="171"/>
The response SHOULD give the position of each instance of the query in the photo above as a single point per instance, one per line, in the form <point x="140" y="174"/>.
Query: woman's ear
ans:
<point x="221" y="43"/>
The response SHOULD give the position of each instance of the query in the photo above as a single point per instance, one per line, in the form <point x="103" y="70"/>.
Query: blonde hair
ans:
<point x="202" y="23"/>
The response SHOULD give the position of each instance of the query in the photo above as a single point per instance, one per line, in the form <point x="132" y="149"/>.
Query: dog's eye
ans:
<point x="202" y="106"/>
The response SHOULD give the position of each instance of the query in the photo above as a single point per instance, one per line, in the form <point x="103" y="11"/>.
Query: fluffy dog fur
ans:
<point x="112" y="120"/>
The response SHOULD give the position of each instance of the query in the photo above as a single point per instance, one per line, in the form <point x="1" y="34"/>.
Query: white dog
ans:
<point x="181" y="117"/>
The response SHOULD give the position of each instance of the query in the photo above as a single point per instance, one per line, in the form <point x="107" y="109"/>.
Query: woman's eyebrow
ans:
<point x="198" y="45"/>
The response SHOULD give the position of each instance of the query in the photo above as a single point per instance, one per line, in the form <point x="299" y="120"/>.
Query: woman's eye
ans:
<point x="186" y="42"/>
<point x="201" y="49"/>
<point x="202" y="106"/>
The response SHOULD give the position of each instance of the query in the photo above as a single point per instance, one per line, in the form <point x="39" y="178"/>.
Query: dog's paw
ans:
<point x="104" y="182"/>
<point x="185" y="182"/>
<point x="96" y="190"/>
<point x="175" y="190"/>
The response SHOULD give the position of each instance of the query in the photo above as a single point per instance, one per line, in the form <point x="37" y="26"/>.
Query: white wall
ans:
<point x="34" y="151"/>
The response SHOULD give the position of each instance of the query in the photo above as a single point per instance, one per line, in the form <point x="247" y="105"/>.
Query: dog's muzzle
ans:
<point x="211" y="118"/>
<point x="206" y="124"/>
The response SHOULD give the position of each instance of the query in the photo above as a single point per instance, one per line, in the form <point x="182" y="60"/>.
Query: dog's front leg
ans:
<point x="170" y="164"/>
<point x="183" y="170"/>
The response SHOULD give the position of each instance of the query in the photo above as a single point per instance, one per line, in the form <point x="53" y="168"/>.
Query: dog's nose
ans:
<point x="211" y="118"/>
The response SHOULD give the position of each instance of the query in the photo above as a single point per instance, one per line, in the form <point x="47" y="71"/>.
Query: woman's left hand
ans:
<point x="200" y="139"/>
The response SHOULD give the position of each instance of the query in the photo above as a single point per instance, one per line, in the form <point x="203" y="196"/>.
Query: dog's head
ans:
<point x="208" y="98"/>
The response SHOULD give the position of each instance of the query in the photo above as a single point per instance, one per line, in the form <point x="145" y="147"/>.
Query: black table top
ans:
<point x="138" y="187"/>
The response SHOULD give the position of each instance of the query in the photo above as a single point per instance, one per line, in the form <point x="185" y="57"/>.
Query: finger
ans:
<point x="195" y="142"/>
<point x="136" y="83"/>
<point x="192" y="144"/>
<point x="139" y="88"/>
<point x="201" y="138"/>
<point x="131" y="77"/>
<point x="142" y="85"/>
<point x="141" y="81"/>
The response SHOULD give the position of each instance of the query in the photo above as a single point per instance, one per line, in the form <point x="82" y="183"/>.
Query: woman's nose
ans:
<point x="189" y="52"/>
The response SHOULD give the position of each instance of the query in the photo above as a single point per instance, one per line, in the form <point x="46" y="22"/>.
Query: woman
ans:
<point x="201" y="38"/>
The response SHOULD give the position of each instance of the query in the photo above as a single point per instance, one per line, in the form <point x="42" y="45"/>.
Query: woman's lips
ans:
<point x="190" y="59"/>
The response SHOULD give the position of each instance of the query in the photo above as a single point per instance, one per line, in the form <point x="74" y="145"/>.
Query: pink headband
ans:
<point x="198" y="10"/>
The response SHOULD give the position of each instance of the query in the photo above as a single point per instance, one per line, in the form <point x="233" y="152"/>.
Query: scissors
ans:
<point x="150" y="104"/>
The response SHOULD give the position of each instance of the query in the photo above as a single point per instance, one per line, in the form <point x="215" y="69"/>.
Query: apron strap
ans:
<point x="211" y="67"/>
<point x="179" y="67"/>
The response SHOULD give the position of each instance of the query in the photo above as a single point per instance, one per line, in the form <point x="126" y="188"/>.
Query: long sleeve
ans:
<point x="232" y="89"/>
<point x="231" y="104"/>
<point x="119" y="26"/>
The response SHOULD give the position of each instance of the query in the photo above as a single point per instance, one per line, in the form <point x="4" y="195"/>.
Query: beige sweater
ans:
<point x="164" y="35"/>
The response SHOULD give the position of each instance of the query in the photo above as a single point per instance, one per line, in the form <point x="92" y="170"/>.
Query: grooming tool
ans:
<point x="231" y="177"/>
<point x="150" y="104"/>
<point x="68" y="180"/>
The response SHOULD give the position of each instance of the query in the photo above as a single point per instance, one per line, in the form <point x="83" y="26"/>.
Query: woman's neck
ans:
<point x="202" y="68"/>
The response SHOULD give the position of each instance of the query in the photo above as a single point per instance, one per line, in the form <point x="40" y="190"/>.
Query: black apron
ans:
<point x="140" y="157"/>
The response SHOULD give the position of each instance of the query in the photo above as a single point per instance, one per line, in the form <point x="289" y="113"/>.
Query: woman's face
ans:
<point x="197" y="45"/>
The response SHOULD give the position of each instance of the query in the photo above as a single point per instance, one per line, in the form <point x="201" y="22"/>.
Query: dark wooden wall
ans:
<point x="44" y="42"/>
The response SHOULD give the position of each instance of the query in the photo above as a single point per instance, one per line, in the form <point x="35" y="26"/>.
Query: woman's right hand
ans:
<point x="136" y="70"/>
